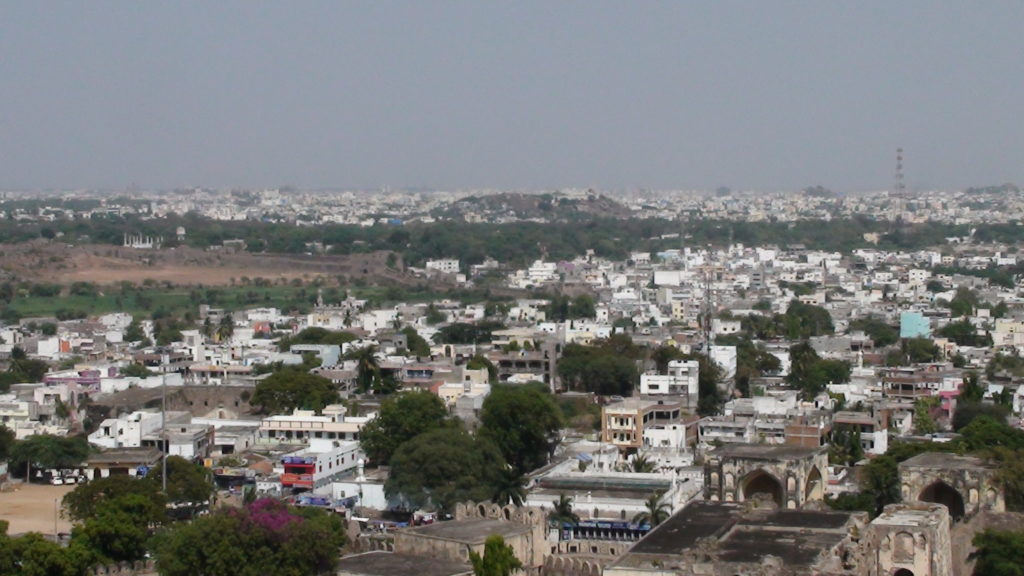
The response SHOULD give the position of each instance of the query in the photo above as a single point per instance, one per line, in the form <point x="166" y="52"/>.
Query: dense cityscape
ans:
<point x="410" y="407"/>
<point x="598" y="288"/>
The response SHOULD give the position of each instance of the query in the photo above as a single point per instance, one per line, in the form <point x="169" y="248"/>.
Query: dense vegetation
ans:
<point x="516" y="243"/>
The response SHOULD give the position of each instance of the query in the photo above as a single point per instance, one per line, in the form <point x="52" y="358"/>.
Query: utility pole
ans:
<point x="163" y="429"/>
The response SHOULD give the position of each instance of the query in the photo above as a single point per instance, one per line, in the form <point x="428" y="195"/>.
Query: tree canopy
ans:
<point x="498" y="559"/>
<point x="443" y="467"/>
<point x="48" y="451"/>
<point x="401" y="418"/>
<point x="523" y="422"/>
<point x="290" y="388"/>
<point x="607" y="367"/>
<point x="264" y="538"/>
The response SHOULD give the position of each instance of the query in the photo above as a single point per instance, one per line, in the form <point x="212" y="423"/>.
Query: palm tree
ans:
<point x="562" y="512"/>
<point x="655" y="513"/>
<point x="509" y="488"/>
<point x="641" y="463"/>
<point x="367" y="367"/>
<point x="226" y="328"/>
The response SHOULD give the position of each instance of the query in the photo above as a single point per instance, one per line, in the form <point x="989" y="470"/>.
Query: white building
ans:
<point x="318" y="465"/>
<point x="307" y="426"/>
<point x="681" y="380"/>
<point x="444" y="266"/>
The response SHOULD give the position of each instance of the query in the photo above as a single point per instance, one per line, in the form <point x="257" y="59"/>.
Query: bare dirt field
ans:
<point x="104" y="264"/>
<point x="30" y="508"/>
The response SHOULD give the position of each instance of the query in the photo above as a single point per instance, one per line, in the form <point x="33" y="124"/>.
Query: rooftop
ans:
<point x="391" y="564"/>
<point x="797" y="537"/>
<point x="126" y="456"/>
<point x="473" y="531"/>
<point x="943" y="460"/>
<point x="765" y="452"/>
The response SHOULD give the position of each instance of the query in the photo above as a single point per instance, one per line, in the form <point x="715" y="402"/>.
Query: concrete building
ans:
<point x="306" y="426"/>
<point x="319" y="465"/>
<point x="623" y="423"/>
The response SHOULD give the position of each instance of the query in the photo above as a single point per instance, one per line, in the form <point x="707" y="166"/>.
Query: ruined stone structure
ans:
<point x="790" y="476"/>
<point x="964" y="484"/>
<point x="524" y="529"/>
<point x="909" y="540"/>
<point x="729" y="539"/>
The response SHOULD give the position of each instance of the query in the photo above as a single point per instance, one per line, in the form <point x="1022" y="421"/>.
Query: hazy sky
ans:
<point x="757" y="94"/>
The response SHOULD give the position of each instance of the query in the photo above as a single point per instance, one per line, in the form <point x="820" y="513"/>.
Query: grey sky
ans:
<point x="758" y="94"/>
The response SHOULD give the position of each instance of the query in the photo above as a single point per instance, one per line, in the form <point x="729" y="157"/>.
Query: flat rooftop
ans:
<point x="797" y="537"/>
<point x="765" y="451"/>
<point x="391" y="564"/>
<point x="943" y="460"/>
<point x="474" y="531"/>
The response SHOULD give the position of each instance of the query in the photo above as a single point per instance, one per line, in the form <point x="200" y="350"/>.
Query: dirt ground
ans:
<point x="30" y="508"/>
<point x="56" y="262"/>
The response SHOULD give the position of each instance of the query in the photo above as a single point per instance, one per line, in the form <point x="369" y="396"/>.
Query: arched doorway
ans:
<point x="903" y="572"/>
<point x="942" y="493"/>
<point x="761" y="484"/>
<point x="814" y="488"/>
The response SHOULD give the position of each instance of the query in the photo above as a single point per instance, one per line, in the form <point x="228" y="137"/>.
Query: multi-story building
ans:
<point x="624" y="424"/>
<point x="318" y="465"/>
<point x="305" y="426"/>
<point x="444" y="265"/>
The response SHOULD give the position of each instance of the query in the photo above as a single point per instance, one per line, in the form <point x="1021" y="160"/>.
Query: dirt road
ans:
<point x="31" y="508"/>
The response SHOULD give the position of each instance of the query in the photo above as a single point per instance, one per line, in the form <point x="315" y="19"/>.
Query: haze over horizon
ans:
<point x="770" y="96"/>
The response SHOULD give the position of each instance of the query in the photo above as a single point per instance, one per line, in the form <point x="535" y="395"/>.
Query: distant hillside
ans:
<point x="548" y="207"/>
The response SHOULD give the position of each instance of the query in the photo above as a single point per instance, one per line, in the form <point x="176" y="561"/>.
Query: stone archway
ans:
<point x="941" y="493"/>
<point x="814" y="486"/>
<point x="903" y="572"/>
<point x="762" y="484"/>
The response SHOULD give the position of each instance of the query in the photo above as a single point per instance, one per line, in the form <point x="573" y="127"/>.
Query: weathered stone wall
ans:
<point x="912" y="537"/>
<point x="975" y="484"/>
<point x="729" y="478"/>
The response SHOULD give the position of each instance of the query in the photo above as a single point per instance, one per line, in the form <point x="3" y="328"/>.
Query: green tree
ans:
<point x="964" y="303"/>
<point x="186" y="481"/>
<point x="25" y="369"/>
<point x="136" y="370"/>
<point x="90" y="499"/>
<point x="811" y="374"/>
<point x="6" y="442"/>
<point x="965" y="334"/>
<point x="225" y="328"/>
<point x="509" y="488"/>
<point x="368" y="374"/>
<point x="499" y="559"/>
<point x="434" y="316"/>
<point x="655" y="511"/>
<point x="662" y="355"/>
<point x="608" y="367"/>
<point x="33" y="555"/>
<point x="523" y="422"/>
<point x="562" y="512"/>
<point x="480" y="362"/>
<point x="290" y="388"/>
<point x="264" y="538"/>
<point x="443" y="467"/>
<point x="924" y="422"/>
<point x="998" y="553"/>
<point x="401" y="418"/>
<point x="118" y="532"/>
<point x="415" y="344"/>
<point x="316" y="335"/>
<point x="43" y="451"/>
<point x="880" y="332"/>
<point x="845" y="447"/>
<point x="641" y="464"/>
